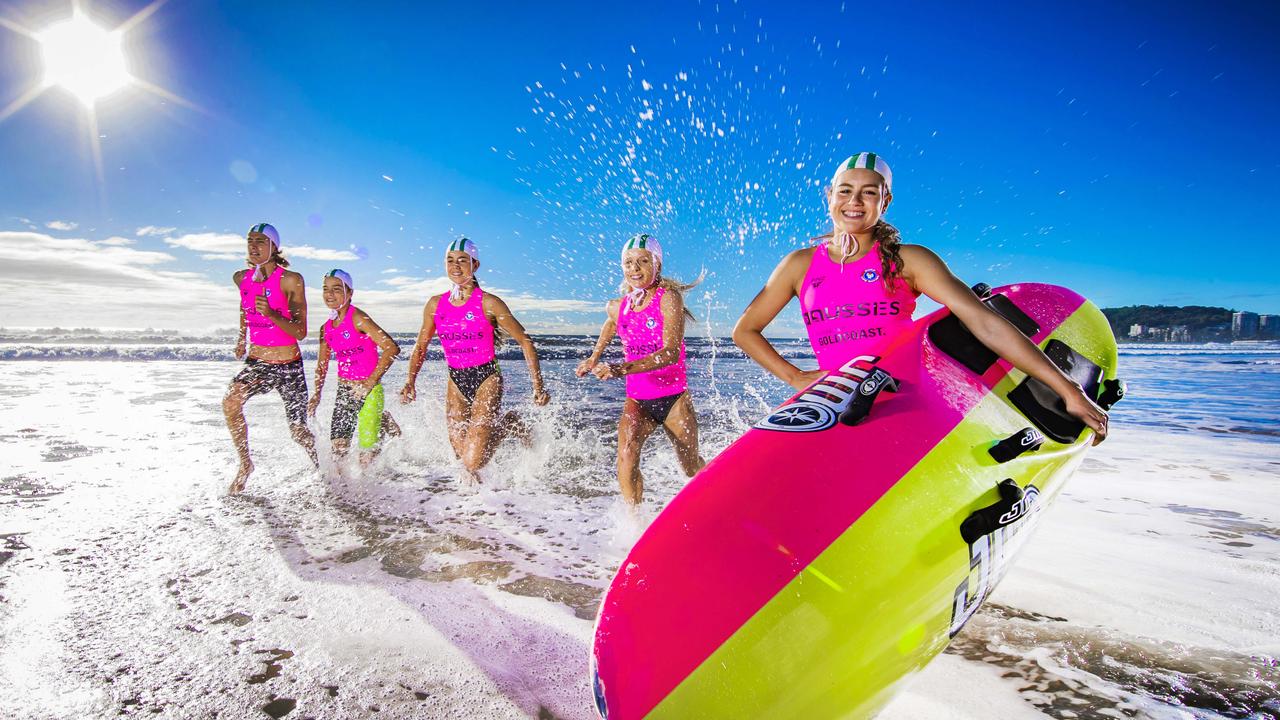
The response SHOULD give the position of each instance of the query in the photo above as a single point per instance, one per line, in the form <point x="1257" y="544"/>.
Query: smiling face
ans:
<point x="638" y="268"/>
<point x="856" y="200"/>
<point x="335" y="293"/>
<point x="260" y="248"/>
<point x="460" y="267"/>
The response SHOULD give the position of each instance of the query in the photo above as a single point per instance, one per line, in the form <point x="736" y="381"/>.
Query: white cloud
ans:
<point x="388" y="271"/>
<point x="225" y="243"/>
<point x="153" y="231"/>
<point x="61" y="225"/>
<point x="307" y="252"/>
<point x="79" y="282"/>
<point x="117" y="240"/>
<point x="228" y="246"/>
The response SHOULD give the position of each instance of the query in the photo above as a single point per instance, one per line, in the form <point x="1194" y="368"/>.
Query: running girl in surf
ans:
<point x="858" y="287"/>
<point x="465" y="319"/>
<point x="650" y="319"/>
<point x="273" y="318"/>
<point x="364" y="352"/>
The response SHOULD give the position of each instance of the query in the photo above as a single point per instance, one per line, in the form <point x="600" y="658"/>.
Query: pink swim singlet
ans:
<point x="356" y="352"/>
<point x="641" y="333"/>
<point x="851" y="313"/>
<point x="465" y="332"/>
<point x="261" y="330"/>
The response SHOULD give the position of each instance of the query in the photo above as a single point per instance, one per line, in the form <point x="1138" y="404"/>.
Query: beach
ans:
<point x="132" y="584"/>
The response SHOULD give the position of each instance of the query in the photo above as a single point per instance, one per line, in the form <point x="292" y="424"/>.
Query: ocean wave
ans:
<point x="550" y="348"/>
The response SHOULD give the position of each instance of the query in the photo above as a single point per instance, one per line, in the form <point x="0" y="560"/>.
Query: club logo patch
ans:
<point x="650" y="323"/>
<point x="346" y="334"/>
<point x="470" y="315"/>
<point x="870" y="276"/>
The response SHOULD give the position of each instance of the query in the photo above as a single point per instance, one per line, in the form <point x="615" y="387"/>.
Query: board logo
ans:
<point x="818" y="407"/>
<point x="870" y="276"/>
<point x="799" y="417"/>
<point x="991" y="555"/>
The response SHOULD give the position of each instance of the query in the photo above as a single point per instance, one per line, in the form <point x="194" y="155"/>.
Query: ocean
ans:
<point x="133" y="585"/>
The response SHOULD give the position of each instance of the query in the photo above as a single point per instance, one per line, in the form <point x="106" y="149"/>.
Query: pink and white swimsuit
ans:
<point x="641" y="333"/>
<point x="357" y="353"/>
<point x="848" y="310"/>
<point x="261" y="330"/>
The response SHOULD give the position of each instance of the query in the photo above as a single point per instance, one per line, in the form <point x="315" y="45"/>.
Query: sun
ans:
<point x="85" y="59"/>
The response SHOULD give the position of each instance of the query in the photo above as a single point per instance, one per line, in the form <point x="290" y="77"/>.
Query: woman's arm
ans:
<point x="748" y="333"/>
<point x="607" y="332"/>
<point x="928" y="274"/>
<point x="409" y="392"/>
<point x="322" y="370"/>
<point x="388" y="349"/>
<point x="237" y="277"/>
<point x="497" y="309"/>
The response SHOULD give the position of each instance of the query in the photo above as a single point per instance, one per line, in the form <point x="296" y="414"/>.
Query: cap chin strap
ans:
<point x="636" y="296"/>
<point x="455" y="293"/>
<point x="258" y="274"/>
<point x="346" y="300"/>
<point x="848" y="243"/>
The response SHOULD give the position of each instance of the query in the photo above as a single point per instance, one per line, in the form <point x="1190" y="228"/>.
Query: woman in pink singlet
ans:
<point x="649" y="318"/>
<point x="465" y="319"/>
<point x="364" y="352"/>
<point x="858" y="285"/>
<point x="273" y="318"/>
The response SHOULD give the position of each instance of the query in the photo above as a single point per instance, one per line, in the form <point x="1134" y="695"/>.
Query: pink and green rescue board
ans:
<point x="834" y="549"/>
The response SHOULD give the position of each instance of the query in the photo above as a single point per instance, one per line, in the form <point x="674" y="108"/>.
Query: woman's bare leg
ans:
<point x="634" y="427"/>
<point x="682" y="428"/>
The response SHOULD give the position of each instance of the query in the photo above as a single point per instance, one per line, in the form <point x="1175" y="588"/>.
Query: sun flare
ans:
<point x="85" y="59"/>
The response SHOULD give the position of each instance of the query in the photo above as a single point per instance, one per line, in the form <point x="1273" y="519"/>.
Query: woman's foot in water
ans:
<point x="515" y="427"/>
<point x="389" y="426"/>
<point x="242" y="477"/>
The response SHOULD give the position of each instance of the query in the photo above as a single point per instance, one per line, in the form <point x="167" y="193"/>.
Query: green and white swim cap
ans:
<point x="463" y="245"/>
<point x="644" y="241"/>
<point x="866" y="161"/>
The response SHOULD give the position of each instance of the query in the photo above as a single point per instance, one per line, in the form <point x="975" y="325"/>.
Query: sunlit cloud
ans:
<point x="80" y="282"/>
<point x="229" y="246"/>
<point x="224" y="243"/>
<point x="108" y="283"/>
<point x="154" y="231"/>
<point x="307" y="252"/>
<point x="61" y="225"/>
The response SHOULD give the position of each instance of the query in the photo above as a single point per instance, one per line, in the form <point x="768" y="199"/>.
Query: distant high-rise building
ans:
<point x="1244" y="325"/>
<point x="1269" y="326"/>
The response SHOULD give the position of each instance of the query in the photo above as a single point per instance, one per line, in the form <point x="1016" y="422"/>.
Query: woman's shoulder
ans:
<point x="917" y="253"/>
<point x="291" y="279"/>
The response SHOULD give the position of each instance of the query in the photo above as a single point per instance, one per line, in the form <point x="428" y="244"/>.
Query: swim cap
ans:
<point x="866" y="161"/>
<point x="463" y="245"/>
<point x="269" y="231"/>
<point x="342" y="275"/>
<point x="644" y="241"/>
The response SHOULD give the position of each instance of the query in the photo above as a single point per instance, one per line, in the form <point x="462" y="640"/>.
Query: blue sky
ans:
<point x="1125" y="151"/>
